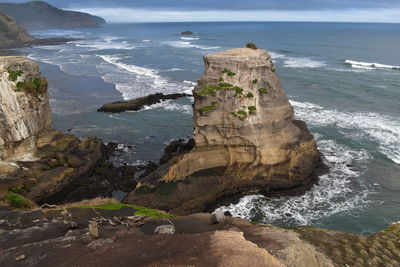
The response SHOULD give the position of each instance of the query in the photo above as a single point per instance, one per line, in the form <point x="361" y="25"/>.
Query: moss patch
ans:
<point x="255" y="81"/>
<point x="249" y="95"/>
<point x="209" y="107"/>
<point x="240" y="114"/>
<point x="17" y="201"/>
<point x="251" y="45"/>
<point x="152" y="213"/>
<point x="228" y="72"/>
<point x="14" y="74"/>
<point x="35" y="87"/>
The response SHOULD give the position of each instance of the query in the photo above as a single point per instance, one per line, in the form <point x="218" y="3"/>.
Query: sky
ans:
<point x="236" y="10"/>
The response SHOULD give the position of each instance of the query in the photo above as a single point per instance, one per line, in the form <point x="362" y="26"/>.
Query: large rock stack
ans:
<point x="246" y="139"/>
<point x="25" y="112"/>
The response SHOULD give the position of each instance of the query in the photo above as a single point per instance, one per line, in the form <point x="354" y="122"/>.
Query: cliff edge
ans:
<point x="246" y="139"/>
<point x="24" y="108"/>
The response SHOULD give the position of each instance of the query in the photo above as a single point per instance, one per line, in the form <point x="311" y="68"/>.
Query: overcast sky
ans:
<point x="236" y="10"/>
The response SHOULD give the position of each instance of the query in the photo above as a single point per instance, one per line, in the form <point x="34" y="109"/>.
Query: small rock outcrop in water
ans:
<point x="37" y="15"/>
<point x="138" y="103"/>
<point x="186" y="33"/>
<point x="246" y="139"/>
<point x="24" y="108"/>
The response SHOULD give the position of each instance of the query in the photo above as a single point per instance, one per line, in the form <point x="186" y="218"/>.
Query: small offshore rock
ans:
<point x="20" y="258"/>
<point x="218" y="217"/>
<point x="186" y="33"/>
<point x="165" y="229"/>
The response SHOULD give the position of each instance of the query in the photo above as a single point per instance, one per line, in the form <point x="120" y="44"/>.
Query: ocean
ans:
<point x="343" y="79"/>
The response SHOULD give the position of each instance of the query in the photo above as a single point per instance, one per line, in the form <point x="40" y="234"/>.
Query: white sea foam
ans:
<point x="275" y="55"/>
<point x="145" y="41"/>
<point x="134" y="81"/>
<point x="302" y="62"/>
<point x="185" y="44"/>
<point x="171" y="106"/>
<point x="370" y="66"/>
<point x="338" y="191"/>
<point x="382" y="129"/>
<point x="297" y="62"/>
<point x="189" y="38"/>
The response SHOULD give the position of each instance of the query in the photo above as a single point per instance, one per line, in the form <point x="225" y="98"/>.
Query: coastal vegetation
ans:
<point x="208" y="108"/>
<point x="14" y="74"/>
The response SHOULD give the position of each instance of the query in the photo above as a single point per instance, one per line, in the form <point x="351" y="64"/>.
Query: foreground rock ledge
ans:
<point x="246" y="139"/>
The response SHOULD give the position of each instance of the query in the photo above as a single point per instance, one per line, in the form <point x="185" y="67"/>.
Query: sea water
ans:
<point x="342" y="79"/>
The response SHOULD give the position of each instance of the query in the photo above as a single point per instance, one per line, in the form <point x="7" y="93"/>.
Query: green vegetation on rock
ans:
<point x="17" y="201"/>
<point x="14" y="74"/>
<point x="209" y="107"/>
<point x="263" y="90"/>
<point x="228" y="72"/>
<point x="249" y="95"/>
<point x="152" y="213"/>
<point x="35" y="86"/>
<point x="251" y="45"/>
<point x="255" y="81"/>
<point x="240" y="114"/>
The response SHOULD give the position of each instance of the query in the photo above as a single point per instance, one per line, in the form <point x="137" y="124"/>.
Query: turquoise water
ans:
<point x="342" y="79"/>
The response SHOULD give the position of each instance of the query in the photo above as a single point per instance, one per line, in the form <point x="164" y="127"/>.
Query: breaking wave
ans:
<point x="370" y="66"/>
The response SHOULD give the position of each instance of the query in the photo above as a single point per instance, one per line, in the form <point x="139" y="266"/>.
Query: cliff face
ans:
<point x="11" y="33"/>
<point x="24" y="108"/>
<point x="245" y="136"/>
<point x="36" y="15"/>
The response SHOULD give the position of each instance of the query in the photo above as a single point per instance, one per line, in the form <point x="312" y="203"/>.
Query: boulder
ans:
<point x="165" y="229"/>
<point x="218" y="217"/>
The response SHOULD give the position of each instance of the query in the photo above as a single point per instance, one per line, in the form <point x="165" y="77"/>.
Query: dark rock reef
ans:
<point x="187" y="33"/>
<point x="246" y="140"/>
<point x="38" y="15"/>
<point x="138" y="103"/>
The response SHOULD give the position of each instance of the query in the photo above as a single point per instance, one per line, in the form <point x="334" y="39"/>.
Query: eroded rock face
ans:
<point x="246" y="138"/>
<point x="25" y="112"/>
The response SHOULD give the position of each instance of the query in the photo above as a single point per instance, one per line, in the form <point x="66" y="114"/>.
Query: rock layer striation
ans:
<point x="25" y="112"/>
<point x="246" y="139"/>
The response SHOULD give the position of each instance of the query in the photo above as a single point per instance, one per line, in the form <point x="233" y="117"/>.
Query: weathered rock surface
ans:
<point x="246" y="139"/>
<point x="36" y="15"/>
<point x="60" y="237"/>
<point x="25" y="112"/>
<point x="138" y="103"/>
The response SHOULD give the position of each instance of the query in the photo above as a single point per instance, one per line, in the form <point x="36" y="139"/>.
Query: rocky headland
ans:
<point x="246" y="140"/>
<point x="13" y="35"/>
<point x="39" y="15"/>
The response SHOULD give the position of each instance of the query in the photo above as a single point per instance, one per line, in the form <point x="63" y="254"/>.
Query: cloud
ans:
<point x="120" y="15"/>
